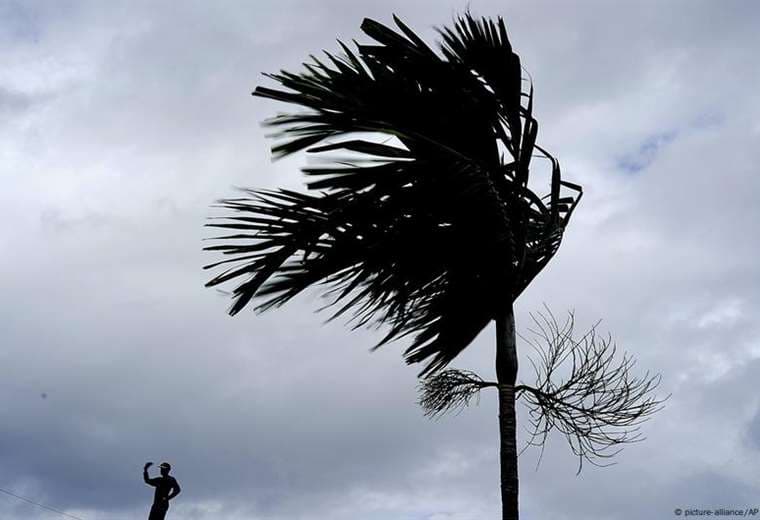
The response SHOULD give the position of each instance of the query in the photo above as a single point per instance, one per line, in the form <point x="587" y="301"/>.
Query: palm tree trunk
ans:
<point x="506" y="375"/>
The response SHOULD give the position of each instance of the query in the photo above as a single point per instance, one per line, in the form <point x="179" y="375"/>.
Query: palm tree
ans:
<point x="434" y="231"/>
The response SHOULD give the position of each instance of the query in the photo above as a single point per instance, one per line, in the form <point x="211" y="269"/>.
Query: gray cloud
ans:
<point x="122" y="124"/>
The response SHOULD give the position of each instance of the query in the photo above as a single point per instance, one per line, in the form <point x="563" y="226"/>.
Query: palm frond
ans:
<point x="426" y="233"/>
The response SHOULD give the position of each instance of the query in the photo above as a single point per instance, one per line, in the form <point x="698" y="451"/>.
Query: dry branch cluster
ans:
<point x="449" y="390"/>
<point x="597" y="404"/>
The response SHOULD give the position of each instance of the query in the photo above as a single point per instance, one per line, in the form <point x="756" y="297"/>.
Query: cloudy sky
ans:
<point x="121" y="122"/>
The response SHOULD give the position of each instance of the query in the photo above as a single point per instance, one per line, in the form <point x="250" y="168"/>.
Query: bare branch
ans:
<point x="448" y="390"/>
<point x="599" y="405"/>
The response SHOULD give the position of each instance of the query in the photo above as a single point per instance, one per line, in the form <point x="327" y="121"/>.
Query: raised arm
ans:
<point x="148" y="480"/>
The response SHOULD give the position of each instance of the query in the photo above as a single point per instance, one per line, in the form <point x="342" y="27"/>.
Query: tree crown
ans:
<point x="430" y="231"/>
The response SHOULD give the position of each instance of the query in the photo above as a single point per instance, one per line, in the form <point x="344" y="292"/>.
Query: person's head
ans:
<point x="165" y="468"/>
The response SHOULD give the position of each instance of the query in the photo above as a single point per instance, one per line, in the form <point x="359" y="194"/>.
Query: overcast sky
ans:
<point x="120" y="123"/>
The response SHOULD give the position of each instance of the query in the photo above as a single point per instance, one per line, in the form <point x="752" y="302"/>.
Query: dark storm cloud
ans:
<point x="13" y="102"/>
<point x="145" y="117"/>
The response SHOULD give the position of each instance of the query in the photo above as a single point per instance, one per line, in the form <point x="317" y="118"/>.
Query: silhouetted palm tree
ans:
<point x="434" y="232"/>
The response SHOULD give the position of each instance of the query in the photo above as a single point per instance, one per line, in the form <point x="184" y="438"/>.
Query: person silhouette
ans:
<point x="166" y="489"/>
